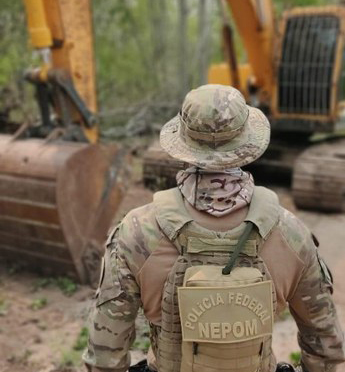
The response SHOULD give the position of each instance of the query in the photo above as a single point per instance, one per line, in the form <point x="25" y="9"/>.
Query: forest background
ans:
<point x="148" y="53"/>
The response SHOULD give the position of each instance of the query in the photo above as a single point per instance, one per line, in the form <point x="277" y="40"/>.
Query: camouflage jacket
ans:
<point x="139" y="257"/>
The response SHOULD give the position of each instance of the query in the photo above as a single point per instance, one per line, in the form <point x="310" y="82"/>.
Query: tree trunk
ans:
<point x="182" y="41"/>
<point x="203" y="42"/>
<point x="162" y="30"/>
<point x="157" y="14"/>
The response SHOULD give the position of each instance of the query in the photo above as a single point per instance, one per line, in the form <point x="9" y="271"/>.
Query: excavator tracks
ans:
<point x="319" y="177"/>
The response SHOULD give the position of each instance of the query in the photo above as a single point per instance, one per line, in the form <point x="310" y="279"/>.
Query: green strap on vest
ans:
<point x="240" y="245"/>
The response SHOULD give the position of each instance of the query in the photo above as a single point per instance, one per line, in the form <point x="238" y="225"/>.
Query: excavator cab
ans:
<point x="60" y="188"/>
<point x="309" y="64"/>
<point x="308" y="103"/>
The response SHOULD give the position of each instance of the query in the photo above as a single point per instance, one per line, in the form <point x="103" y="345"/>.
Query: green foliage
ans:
<point x="42" y="283"/>
<point x="70" y="358"/>
<point x="81" y="341"/>
<point x="128" y="69"/>
<point x="38" y="303"/>
<point x="13" y="43"/>
<point x="142" y="345"/>
<point x="142" y="341"/>
<point x="281" y="5"/>
<point x="284" y="315"/>
<point x="136" y="49"/>
<point x="295" y="357"/>
<point x="66" y="285"/>
<point x="3" y="307"/>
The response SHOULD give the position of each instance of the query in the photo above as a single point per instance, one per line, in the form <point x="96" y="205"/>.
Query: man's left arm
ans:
<point x="320" y="336"/>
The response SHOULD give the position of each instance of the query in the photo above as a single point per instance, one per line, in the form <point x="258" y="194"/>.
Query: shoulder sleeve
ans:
<point x="113" y="313"/>
<point x="320" y="336"/>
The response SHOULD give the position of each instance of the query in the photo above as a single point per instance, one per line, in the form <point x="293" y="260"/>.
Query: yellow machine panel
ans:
<point x="221" y="74"/>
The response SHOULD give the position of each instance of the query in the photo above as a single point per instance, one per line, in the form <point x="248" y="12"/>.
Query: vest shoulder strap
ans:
<point x="172" y="216"/>
<point x="264" y="210"/>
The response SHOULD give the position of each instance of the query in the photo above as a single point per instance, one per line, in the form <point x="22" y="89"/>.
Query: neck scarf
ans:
<point x="217" y="193"/>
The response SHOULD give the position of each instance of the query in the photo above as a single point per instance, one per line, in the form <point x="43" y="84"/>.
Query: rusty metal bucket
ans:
<point x="57" y="201"/>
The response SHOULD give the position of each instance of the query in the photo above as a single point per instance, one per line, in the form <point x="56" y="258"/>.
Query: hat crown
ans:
<point x="214" y="109"/>
<point x="215" y="130"/>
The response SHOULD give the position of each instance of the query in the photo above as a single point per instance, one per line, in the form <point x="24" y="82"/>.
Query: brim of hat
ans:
<point x="246" y="147"/>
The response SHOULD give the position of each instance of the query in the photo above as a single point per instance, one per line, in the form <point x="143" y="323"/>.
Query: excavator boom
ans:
<point x="255" y="22"/>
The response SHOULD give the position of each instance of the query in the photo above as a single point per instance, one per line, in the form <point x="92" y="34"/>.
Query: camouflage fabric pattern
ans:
<point x="320" y="336"/>
<point x="117" y="303"/>
<point x="226" y="114"/>
<point x="112" y="316"/>
<point x="216" y="130"/>
<point x="216" y="193"/>
<point x="132" y="243"/>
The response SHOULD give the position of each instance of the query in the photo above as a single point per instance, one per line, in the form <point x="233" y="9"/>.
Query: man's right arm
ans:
<point x="112" y="316"/>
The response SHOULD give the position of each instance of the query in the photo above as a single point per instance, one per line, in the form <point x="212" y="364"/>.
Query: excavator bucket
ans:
<point x="57" y="201"/>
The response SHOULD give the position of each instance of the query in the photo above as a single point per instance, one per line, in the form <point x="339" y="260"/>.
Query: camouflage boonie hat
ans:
<point x="216" y="130"/>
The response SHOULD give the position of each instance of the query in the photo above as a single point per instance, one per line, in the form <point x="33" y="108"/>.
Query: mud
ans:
<point x="40" y="325"/>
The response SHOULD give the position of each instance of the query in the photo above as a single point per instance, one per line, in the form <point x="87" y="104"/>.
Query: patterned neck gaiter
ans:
<point x="217" y="193"/>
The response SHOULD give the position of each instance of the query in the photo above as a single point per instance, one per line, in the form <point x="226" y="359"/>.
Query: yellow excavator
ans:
<point x="59" y="188"/>
<point x="296" y="75"/>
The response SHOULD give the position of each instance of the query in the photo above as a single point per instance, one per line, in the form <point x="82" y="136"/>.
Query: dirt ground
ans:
<point x="42" y="319"/>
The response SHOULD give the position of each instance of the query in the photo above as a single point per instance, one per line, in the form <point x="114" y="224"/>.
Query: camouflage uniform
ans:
<point x="139" y="256"/>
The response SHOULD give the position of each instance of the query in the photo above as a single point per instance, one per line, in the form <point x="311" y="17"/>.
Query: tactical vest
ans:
<point x="210" y="321"/>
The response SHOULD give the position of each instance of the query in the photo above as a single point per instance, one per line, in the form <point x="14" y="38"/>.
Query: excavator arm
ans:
<point x="59" y="195"/>
<point x="255" y="23"/>
<point x="61" y="30"/>
<point x="254" y="20"/>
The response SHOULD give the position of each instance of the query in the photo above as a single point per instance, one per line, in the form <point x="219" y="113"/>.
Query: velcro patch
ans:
<point x="226" y="314"/>
<point x="200" y="245"/>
